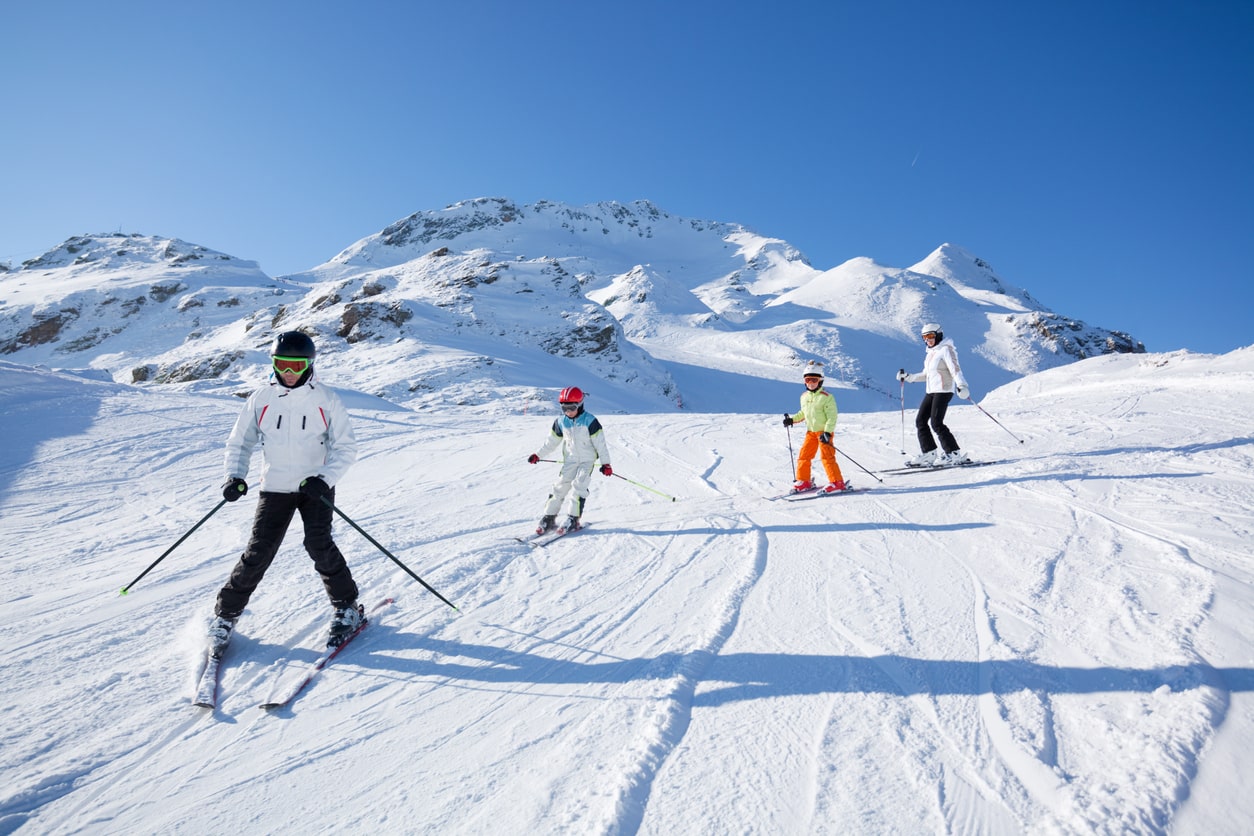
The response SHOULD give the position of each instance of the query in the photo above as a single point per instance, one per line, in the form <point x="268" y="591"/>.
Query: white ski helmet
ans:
<point x="813" y="369"/>
<point x="932" y="328"/>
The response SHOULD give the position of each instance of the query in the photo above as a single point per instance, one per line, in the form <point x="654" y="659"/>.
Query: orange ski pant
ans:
<point x="827" y="452"/>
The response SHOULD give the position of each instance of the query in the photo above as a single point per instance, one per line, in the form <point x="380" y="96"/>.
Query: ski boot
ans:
<point x="219" y="635"/>
<point x="344" y="623"/>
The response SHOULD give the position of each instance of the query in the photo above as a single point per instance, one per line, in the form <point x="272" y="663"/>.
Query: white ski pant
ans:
<point x="574" y="474"/>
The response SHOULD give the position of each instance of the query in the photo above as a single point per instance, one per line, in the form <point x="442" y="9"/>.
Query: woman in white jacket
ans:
<point x="943" y="375"/>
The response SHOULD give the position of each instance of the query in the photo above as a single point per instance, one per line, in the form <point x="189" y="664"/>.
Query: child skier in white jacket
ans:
<point x="582" y="440"/>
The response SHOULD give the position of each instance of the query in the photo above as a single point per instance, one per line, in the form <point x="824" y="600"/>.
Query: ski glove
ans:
<point x="533" y="458"/>
<point x="787" y="420"/>
<point x="234" y="488"/>
<point x="315" y="488"/>
<point x="963" y="391"/>
<point x="901" y="375"/>
<point x="606" y="470"/>
<point x="825" y="438"/>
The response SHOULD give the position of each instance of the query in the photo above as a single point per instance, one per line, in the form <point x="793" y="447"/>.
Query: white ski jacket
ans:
<point x="940" y="369"/>
<point x="581" y="438"/>
<point x="303" y="432"/>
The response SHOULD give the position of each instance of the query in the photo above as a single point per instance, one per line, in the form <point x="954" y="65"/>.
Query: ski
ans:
<point x="820" y="494"/>
<point x="207" y="686"/>
<point x="934" y="468"/>
<point x="794" y="494"/>
<point x="284" y="694"/>
<point x="539" y="541"/>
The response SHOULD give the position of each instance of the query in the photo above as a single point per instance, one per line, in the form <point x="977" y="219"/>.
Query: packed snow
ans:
<point x="1057" y="642"/>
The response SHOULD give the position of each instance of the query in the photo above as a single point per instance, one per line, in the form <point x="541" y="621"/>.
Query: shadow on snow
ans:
<point x="737" y="677"/>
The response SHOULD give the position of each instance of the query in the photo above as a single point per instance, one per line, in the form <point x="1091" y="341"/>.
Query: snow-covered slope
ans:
<point x="1058" y="643"/>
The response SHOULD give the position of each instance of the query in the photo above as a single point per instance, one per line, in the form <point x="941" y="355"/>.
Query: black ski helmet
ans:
<point x="294" y="344"/>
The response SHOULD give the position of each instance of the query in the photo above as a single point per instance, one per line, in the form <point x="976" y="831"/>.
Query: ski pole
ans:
<point x="127" y="588"/>
<point x="646" y="487"/>
<point x="994" y="420"/>
<point x="903" y="417"/>
<point x="792" y="459"/>
<point x="393" y="557"/>
<point x="860" y="467"/>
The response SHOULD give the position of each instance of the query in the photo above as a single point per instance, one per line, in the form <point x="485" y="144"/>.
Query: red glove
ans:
<point x="606" y="470"/>
<point x="533" y="458"/>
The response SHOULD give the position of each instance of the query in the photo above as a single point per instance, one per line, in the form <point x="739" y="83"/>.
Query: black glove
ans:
<point x="315" y="488"/>
<point x="901" y="375"/>
<point x="787" y="420"/>
<point x="234" y="488"/>
<point x="825" y="438"/>
<point x="606" y="470"/>
<point x="533" y="458"/>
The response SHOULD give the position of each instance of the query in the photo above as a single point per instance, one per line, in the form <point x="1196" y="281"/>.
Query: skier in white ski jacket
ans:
<point x="307" y="445"/>
<point x="943" y="375"/>
<point x="582" y="440"/>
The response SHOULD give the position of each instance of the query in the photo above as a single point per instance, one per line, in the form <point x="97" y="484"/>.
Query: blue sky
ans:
<point x="1096" y="153"/>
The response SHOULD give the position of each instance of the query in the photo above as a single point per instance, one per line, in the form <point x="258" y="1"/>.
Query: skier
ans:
<point x="943" y="374"/>
<point x="307" y="445"/>
<point x="818" y="411"/>
<point x="582" y="439"/>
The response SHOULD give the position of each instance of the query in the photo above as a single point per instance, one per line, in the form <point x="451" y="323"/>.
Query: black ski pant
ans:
<point x="274" y="515"/>
<point x="932" y="411"/>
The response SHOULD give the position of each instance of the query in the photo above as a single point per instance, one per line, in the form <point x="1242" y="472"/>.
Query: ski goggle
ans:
<point x="295" y="365"/>
<point x="568" y="406"/>
<point x="930" y="335"/>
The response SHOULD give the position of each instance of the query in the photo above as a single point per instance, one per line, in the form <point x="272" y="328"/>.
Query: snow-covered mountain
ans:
<point x="121" y="302"/>
<point x="465" y="306"/>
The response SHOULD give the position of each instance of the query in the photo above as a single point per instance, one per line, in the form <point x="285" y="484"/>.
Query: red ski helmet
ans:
<point x="571" y="394"/>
